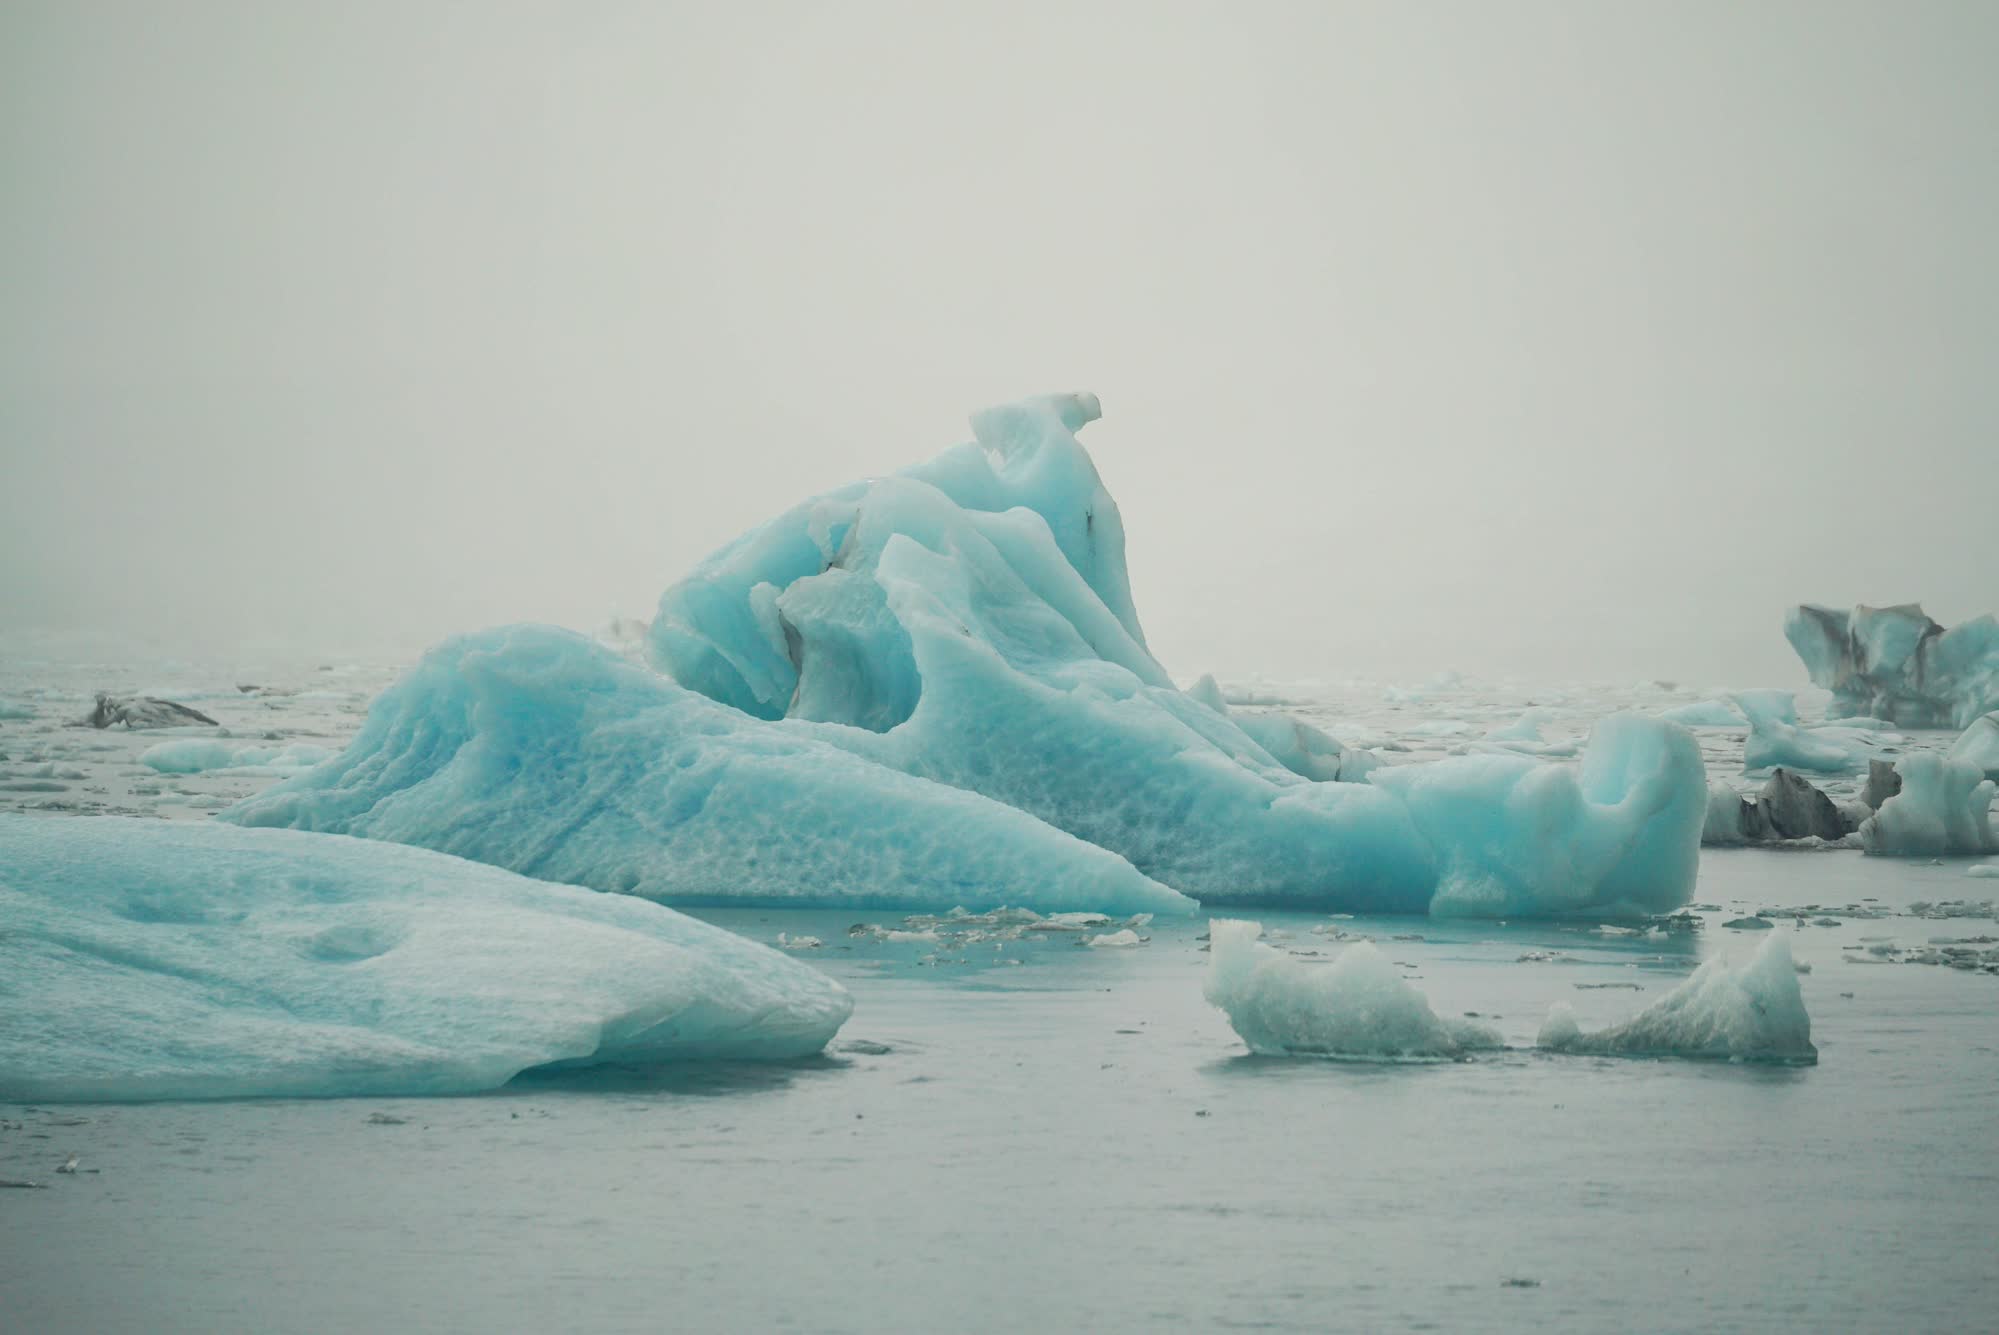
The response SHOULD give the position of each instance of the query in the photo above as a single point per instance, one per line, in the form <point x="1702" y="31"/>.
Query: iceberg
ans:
<point x="1787" y="807"/>
<point x="1896" y="663"/>
<point x="1755" y="1013"/>
<point x="1943" y="806"/>
<point x="168" y="960"/>
<point x="1979" y="745"/>
<point x="932" y="689"/>
<point x="1358" y="1008"/>
<point x="1776" y="738"/>
<point x="970" y="621"/>
<point x="544" y="752"/>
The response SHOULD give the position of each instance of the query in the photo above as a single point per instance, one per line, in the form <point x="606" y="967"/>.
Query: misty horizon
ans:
<point x="1546" y="342"/>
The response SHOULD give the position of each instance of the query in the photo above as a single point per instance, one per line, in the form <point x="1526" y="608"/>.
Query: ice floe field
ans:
<point x="881" y="939"/>
<point x="1044" y="1124"/>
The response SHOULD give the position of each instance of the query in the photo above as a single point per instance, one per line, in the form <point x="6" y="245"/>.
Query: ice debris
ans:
<point x="1896" y="663"/>
<point x="143" y="711"/>
<point x="1752" y="1013"/>
<point x="168" y="960"/>
<point x="1357" y="1008"/>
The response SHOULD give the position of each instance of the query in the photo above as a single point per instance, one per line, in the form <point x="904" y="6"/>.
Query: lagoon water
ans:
<point x="1033" y="1134"/>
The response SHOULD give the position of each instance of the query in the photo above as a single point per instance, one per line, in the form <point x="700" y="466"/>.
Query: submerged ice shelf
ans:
<point x="933" y="689"/>
<point x="154" y="960"/>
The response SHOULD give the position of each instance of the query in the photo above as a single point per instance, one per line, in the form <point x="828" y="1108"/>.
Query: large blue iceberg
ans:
<point x="1896" y="663"/>
<point x="541" y="751"/>
<point x="933" y="689"/>
<point x="158" y="960"/>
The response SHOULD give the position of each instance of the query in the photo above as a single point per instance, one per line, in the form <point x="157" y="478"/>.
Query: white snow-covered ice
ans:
<point x="159" y="960"/>
<point x="1357" y="1008"/>
<point x="1755" y="1012"/>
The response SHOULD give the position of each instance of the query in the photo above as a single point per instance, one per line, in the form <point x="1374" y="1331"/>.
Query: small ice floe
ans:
<point x="1752" y="1013"/>
<point x="68" y="1165"/>
<point x="6" y="1182"/>
<point x="786" y="941"/>
<point x="1357" y="1008"/>
<point x="386" y="1119"/>
<point x="1125" y="937"/>
<point x="143" y="711"/>
<point x="865" y="1047"/>
<point x="1750" y="924"/>
<point x="1069" y="922"/>
<point x="1985" y="869"/>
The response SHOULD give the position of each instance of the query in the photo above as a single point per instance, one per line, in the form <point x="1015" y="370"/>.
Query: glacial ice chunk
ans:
<point x="1944" y="806"/>
<point x="1752" y="1013"/>
<point x="1979" y="745"/>
<point x="1896" y="663"/>
<point x="1705" y="714"/>
<point x="168" y="960"/>
<point x="197" y="755"/>
<point x="985" y="638"/>
<point x="543" y="752"/>
<point x="1357" y="1008"/>
<point x="1776" y="738"/>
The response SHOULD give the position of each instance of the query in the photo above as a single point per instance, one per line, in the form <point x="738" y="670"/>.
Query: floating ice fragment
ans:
<point x="1752" y="1013"/>
<point x="1358" y="1007"/>
<point x="1125" y="937"/>
<point x="154" y="960"/>
<point x="1943" y="806"/>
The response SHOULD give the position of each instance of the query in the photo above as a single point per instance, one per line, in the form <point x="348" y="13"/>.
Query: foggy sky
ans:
<point x="1560" y="340"/>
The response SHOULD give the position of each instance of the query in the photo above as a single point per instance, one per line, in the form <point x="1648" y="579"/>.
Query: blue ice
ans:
<point x="164" y="960"/>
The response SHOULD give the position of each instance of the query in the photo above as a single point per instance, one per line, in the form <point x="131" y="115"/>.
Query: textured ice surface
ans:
<point x="970" y="622"/>
<point x="148" y="960"/>
<point x="1944" y="806"/>
<point x="1752" y="1013"/>
<point x="546" y="753"/>
<point x="1896" y="663"/>
<point x="196" y="755"/>
<point x="1979" y="745"/>
<point x="1358" y="1007"/>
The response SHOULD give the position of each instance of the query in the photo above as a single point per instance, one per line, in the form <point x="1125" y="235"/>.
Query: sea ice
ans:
<point x="1944" y="806"/>
<point x="1358" y="1007"/>
<point x="1752" y="1013"/>
<point x="158" y="960"/>
<point x="1896" y="663"/>
<point x="10" y="709"/>
<point x="546" y="753"/>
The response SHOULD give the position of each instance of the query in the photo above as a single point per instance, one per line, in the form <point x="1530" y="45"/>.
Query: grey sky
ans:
<point x="1558" y="340"/>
